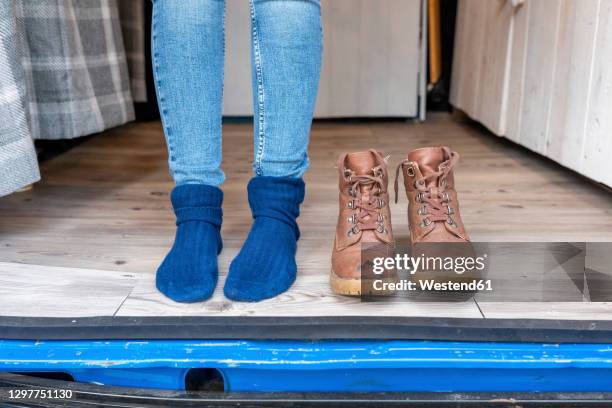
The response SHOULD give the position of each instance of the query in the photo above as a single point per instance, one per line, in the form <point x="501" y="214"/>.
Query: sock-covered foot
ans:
<point x="265" y="266"/>
<point x="189" y="272"/>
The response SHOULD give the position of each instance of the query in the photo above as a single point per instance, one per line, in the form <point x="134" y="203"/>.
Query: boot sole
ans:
<point x="341" y="286"/>
<point x="352" y="287"/>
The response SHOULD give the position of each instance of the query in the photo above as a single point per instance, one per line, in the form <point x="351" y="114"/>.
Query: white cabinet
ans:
<point x="540" y="74"/>
<point x="371" y="59"/>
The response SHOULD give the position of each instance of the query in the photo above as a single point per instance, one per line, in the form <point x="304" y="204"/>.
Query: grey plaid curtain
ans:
<point x="75" y="67"/>
<point x="18" y="164"/>
<point x="63" y="74"/>
<point x="132" y="15"/>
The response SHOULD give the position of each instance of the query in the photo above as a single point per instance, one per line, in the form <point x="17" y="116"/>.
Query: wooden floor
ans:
<point x="87" y="239"/>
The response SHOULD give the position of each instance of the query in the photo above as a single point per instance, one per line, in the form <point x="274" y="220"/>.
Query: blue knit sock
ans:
<point x="189" y="271"/>
<point x="265" y="266"/>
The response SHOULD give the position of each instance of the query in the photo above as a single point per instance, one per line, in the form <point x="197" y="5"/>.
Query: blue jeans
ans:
<point x="188" y="53"/>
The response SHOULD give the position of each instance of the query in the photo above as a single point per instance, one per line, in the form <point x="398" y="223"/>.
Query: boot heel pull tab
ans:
<point x="395" y="183"/>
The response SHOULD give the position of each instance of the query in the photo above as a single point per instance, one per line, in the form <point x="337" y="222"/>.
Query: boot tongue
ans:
<point x="361" y="163"/>
<point x="428" y="160"/>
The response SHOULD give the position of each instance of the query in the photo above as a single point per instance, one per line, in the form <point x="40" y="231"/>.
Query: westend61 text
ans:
<point x="433" y="285"/>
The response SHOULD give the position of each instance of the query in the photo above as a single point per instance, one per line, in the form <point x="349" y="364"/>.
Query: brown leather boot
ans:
<point x="436" y="228"/>
<point x="364" y="219"/>
<point x="433" y="209"/>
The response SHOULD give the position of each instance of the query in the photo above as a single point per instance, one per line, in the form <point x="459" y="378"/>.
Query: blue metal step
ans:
<point x="323" y="366"/>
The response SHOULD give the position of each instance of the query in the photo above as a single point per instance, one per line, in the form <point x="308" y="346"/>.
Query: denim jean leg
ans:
<point x="286" y="61"/>
<point x="188" y="52"/>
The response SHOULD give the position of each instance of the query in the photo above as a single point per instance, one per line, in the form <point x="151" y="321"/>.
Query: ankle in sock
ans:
<point x="189" y="272"/>
<point x="265" y="266"/>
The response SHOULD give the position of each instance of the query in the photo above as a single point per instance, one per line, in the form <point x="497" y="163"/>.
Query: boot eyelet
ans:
<point x="381" y="218"/>
<point x="381" y="203"/>
<point x="380" y="228"/>
<point x="350" y="204"/>
<point x="355" y="229"/>
<point x="446" y="197"/>
<point x="443" y="183"/>
<point x="422" y="210"/>
<point x="410" y="171"/>
<point x="351" y="219"/>
<point x="426" y="222"/>
<point x="347" y="174"/>
<point x="449" y="210"/>
<point x="450" y="222"/>
<point x="417" y="198"/>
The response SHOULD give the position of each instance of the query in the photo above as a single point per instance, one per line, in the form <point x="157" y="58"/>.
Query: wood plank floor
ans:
<point x="87" y="239"/>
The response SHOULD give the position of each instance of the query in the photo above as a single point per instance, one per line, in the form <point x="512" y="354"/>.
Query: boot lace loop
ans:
<point x="367" y="214"/>
<point x="435" y="198"/>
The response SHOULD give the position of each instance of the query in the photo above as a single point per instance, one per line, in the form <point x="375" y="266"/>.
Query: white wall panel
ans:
<point x="571" y="86"/>
<point x="493" y="72"/>
<point x="597" y="145"/>
<point x="516" y="75"/>
<point x="548" y="85"/>
<point x="482" y="44"/>
<point x="370" y="64"/>
<point x="539" y="73"/>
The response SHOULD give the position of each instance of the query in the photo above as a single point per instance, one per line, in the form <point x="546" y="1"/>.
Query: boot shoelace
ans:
<point x="435" y="200"/>
<point x="367" y="214"/>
